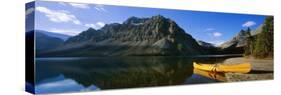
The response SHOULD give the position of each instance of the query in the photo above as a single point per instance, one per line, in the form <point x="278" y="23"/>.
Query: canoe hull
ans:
<point x="212" y="75"/>
<point x="235" y="68"/>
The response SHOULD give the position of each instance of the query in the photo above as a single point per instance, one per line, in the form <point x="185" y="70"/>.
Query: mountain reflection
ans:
<point x="61" y="84"/>
<point x="112" y="73"/>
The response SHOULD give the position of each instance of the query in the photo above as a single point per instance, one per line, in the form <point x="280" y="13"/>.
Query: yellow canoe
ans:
<point x="212" y="75"/>
<point x="235" y="68"/>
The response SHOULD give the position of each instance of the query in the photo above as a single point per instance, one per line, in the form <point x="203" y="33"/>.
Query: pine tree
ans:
<point x="249" y="43"/>
<point x="264" y="42"/>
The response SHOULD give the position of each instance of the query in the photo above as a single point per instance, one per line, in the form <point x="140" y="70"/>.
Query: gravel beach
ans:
<point x="262" y="69"/>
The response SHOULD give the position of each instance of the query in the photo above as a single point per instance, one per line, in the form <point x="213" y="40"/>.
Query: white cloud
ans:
<point x="217" y="34"/>
<point x="97" y="25"/>
<point x="100" y="24"/>
<point x="58" y="15"/>
<point x="29" y="11"/>
<point x="62" y="3"/>
<point x="249" y="24"/>
<point x="90" y="25"/>
<point x="100" y="8"/>
<point x="71" y="32"/>
<point x="209" y="29"/>
<point x="79" y="5"/>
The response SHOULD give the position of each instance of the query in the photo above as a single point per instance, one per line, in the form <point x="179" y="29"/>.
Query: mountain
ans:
<point x="261" y="44"/>
<point x="237" y="44"/>
<point x="57" y="35"/>
<point x="209" y="48"/>
<point x="156" y="35"/>
<point x="45" y="42"/>
<point x="257" y="31"/>
<point x="205" y="44"/>
<point x="237" y="41"/>
<point x="240" y="40"/>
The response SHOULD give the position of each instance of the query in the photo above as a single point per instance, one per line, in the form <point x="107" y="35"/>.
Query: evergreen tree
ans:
<point x="261" y="45"/>
<point x="264" y="42"/>
<point x="249" y="43"/>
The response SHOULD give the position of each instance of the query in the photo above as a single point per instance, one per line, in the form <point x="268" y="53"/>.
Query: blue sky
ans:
<point x="72" y="18"/>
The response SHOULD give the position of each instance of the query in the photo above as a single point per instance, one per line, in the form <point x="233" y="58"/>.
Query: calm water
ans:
<point x="99" y="73"/>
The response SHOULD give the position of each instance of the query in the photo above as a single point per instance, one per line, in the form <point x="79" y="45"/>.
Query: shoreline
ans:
<point x="262" y="69"/>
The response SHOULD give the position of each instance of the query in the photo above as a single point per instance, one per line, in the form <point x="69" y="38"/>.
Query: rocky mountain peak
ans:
<point x="91" y="29"/>
<point x="156" y="35"/>
<point x="237" y="41"/>
<point x="158" y="17"/>
<point x="83" y="36"/>
<point x="135" y="20"/>
<point x="242" y="34"/>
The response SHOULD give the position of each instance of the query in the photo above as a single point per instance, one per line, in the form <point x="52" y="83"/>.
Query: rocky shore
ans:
<point x="262" y="69"/>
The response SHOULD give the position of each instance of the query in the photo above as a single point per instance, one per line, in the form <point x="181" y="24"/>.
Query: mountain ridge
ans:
<point x="156" y="35"/>
<point x="45" y="42"/>
<point x="52" y="34"/>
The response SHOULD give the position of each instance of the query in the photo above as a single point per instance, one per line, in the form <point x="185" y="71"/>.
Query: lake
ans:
<point x="72" y="74"/>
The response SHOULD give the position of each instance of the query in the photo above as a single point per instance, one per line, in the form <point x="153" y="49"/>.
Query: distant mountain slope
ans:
<point x="240" y="40"/>
<point x="57" y="35"/>
<point x="45" y="42"/>
<point x="257" y="31"/>
<point x="237" y="41"/>
<point x="205" y="44"/>
<point x="136" y="36"/>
